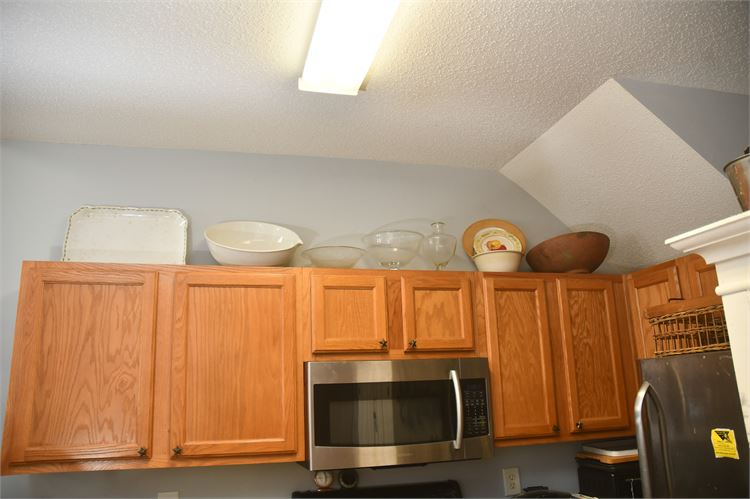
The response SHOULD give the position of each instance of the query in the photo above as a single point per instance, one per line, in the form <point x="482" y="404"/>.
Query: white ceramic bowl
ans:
<point x="337" y="257"/>
<point x="498" y="261"/>
<point x="251" y="243"/>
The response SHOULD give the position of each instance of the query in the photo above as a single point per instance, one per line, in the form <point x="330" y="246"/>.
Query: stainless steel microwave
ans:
<point x="396" y="412"/>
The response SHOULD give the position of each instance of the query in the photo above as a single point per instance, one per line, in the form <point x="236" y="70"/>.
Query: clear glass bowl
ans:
<point x="393" y="248"/>
<point x="337" y="257"/>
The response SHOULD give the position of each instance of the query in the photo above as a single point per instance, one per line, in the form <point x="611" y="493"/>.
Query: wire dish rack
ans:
<point x="688" y="326"/>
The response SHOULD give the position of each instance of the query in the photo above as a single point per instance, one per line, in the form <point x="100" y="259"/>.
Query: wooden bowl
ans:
<point x="576" y="253"/>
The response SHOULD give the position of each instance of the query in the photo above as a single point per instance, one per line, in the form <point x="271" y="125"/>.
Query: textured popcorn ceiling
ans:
<point x="611" y="166"/>
<point x="464" y="83"/>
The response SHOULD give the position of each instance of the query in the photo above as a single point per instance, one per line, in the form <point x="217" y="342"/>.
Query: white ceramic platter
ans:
<point x="117" y="234"/>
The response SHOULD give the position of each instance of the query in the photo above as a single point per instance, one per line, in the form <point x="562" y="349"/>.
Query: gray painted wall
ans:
<point x="551" y="465"/>
<point x="715" y="124"/>
<point x="322" y="199"/>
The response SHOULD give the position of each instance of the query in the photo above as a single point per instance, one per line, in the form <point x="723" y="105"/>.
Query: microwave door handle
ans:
<point x="458" y="442"/>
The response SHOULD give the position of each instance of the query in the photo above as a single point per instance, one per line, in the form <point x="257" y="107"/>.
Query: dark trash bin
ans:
<point x="599" y="479"/>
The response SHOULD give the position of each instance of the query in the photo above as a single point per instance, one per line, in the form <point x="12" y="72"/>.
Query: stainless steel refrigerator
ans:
<point x="682" y="400"/>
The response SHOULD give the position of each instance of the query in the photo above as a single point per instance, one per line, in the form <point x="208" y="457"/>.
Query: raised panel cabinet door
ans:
<point x="82" y="380"/>
<point x="647" y="288"/>
<point x="701" y="277"/>
<point x="233" y="385"/>
<point x="592" y="360"/>
<point x="349" y="313"/>
<point x="523" y="388"/>
<point x="437" y="313"/>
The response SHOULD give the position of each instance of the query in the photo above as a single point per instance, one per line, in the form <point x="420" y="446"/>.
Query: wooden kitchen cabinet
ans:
<point x="592" y="357"/>
<point x="681" y="279"/>
<point x="521" y="369"/>
<point x="561" y="363"/>
<point x="647" y="288"/>
<point x="82" y="377"/>
<point x="375" y="314"/>
<point x="701" y="278"/>
<point x="348" y="312"/>
<point x="157" y="366"/>
<point x="437" y="312"/>
<point x="233" y="364"/>
<point x="153" y="366"/>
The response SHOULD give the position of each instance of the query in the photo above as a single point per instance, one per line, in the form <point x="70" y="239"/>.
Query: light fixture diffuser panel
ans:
<point x="346" y="39"/>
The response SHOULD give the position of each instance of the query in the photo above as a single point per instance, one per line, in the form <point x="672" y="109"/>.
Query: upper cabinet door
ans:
<point x="647" y="288"/>
<point x="81" y="386"/>
<point x="523" y="388"/>
<point x="233" y="363"/>
<point x="592" y="355"/>
<point x="437" y="312"/>
<point x="348" y="313"/>
<point x="701" y="277"/>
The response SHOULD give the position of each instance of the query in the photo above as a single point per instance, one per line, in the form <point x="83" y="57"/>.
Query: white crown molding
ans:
<point x="726" y="244"/>
<point x="717" y="242"/>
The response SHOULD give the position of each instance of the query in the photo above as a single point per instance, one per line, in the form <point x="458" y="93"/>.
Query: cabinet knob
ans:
<point x="412" y="344"/>
<point x="556" y="428"/>
<point x="579" y="425"/>
<point x="177" y="450"/>
<point x="142" y="451"/>
<point x="383" y="343"/>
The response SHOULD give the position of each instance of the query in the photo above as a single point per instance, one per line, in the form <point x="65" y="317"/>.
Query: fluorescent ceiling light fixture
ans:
<point x="347" y="36"/>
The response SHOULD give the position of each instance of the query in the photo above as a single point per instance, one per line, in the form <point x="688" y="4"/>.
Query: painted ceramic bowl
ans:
<point x="498" y="261"/>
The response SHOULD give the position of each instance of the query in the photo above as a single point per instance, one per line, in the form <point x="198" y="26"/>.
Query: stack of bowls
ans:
<point x="495" y="245"/>
<point x="498" y="261"/>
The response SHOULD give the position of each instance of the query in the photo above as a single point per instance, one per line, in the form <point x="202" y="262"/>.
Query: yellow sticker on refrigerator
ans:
<point x="725" y="445"/>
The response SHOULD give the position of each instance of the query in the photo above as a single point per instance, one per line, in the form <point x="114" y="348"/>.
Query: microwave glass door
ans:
<point x="384" y="413"/>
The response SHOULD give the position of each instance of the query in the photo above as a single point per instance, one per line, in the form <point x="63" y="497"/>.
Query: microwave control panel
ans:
<point x="474" y="393"/>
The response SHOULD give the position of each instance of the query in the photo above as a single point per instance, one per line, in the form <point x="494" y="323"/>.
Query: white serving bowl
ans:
<point x="251" y="243"/>
<point x="498" y="261"/>
<point x="337" y="257"/>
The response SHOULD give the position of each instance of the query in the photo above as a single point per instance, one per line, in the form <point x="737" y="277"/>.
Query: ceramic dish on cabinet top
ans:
<point x="491" y="234"/>
<point x="118" y="234"/>
<point x="495" y="239"/>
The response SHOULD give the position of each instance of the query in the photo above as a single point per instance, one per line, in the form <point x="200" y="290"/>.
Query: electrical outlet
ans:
<point x="511" y="481"/>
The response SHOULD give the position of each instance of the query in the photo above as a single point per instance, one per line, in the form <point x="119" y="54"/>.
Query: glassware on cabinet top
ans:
<point x="439" y="247"/>
<point x="393" y="248"/>
<point x="335" y="257"/>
